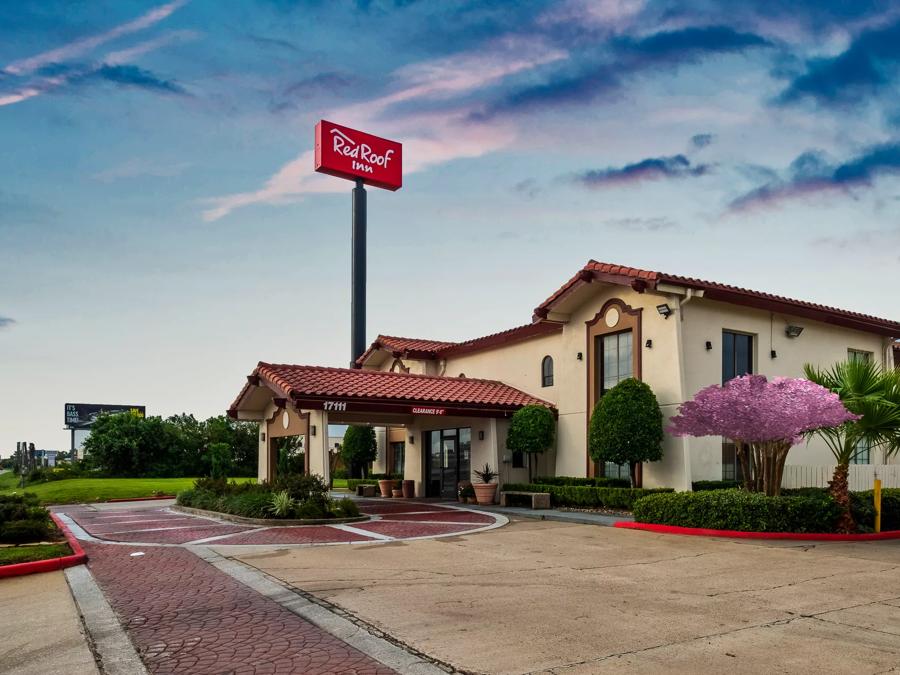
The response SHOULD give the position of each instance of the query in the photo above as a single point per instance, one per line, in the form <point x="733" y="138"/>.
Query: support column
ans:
<point x="358" y="275"/>
<point x="317" y="445"/>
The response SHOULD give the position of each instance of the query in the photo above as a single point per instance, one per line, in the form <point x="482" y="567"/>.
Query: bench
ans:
<point x="539" y="500"/>
<point x="366" y="490"/>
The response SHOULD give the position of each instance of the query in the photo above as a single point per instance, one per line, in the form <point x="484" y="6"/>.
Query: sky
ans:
<point x="162" y="229"/>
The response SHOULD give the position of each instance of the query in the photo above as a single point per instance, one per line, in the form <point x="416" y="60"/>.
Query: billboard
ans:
<point x="83" y="415"/>
<point x="348" y="153"/>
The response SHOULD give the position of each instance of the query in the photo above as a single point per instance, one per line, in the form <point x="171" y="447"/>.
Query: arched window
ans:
<point x="547" y="371"/>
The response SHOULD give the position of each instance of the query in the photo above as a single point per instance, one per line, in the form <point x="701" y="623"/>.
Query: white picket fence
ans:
<point x="861" y="476"/>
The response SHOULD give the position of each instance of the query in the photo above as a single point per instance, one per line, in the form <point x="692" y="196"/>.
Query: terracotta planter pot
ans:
<point x="409" y="489"/>
<point x="385" y="486"/>
<point x="396" y="493"/>
<point x="486" y="493"/>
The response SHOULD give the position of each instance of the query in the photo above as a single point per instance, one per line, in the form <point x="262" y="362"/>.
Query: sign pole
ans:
<point x="358" y="275"/>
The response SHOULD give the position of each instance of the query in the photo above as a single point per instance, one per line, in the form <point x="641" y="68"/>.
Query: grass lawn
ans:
<point x="77" y="490"/>
<point x="339" y="483"/>
<point x="10" y="555"/>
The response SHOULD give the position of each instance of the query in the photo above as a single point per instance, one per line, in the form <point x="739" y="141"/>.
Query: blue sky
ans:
<point x="162" y="230"/>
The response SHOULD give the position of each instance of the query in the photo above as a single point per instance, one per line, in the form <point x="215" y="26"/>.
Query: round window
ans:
<point x="612" y="317"/>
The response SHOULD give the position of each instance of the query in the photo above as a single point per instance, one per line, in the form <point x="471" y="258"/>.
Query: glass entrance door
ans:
<point x="448" y="461"/>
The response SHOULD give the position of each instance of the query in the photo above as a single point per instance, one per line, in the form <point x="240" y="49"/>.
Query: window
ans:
<point x="615" y="360"/>
<point x="854" y="355"/>
<point x="731" y="465"/>
<point x="518" y="459"/>
<point x="398" y="449"/>
<point x="863" y="453"/>
<point x="547" y="371"/>
<point x="737" y="355"/>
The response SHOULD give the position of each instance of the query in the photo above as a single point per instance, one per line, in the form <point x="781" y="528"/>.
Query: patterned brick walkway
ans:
<point x="391" y="520"/>
<point x="185" y="616"/>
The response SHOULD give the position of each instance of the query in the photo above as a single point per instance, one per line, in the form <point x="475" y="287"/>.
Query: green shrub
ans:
<point x="219" y="460"/>
<point x="626" y="426"/>
<point x="301" y="486"/>
<point x="281" y="504"/>
<point x="703" y="485"/>
<point x="599" y="481"/>
<point x="22" y="531"/>
<point x="739" y="511"/>
<point x="587" y="497"/>
<point x="353" y="483"/>
<point x="862" y="506"/>
<point x="346" y="508"/>
<point x="339" y="473"/>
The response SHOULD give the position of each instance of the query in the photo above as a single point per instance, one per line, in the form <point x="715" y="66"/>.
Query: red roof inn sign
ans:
<point x="348" y="153"/>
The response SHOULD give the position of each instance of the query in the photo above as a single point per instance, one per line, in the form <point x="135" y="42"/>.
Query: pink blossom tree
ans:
<point x="764" y="420"/>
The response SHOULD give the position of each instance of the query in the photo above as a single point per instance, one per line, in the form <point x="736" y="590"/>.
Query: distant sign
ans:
<point x="83" y="415"/>
<point x="429" y="411"/>
<point x="348" y="153"/>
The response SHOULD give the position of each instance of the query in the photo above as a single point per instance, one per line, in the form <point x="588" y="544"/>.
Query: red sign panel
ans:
<point x="348" y="153"/>
<point x="429" y="411"/>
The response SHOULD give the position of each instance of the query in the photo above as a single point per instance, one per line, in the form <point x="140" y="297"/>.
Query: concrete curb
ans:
<point x="735" y="534"/>
<point x="267" y="522"/>
<point x="400" y="658"/>
<point x="136" y="499"/>
<point x="113" y="650"/>
<point x="78" y="557"/>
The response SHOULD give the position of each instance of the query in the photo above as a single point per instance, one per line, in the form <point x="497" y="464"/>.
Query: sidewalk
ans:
<point x="581" y="518"/>
<point x="41" y="628"/>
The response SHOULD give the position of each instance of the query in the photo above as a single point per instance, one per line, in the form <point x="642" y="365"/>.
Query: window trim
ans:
<point x="547" y="378"/>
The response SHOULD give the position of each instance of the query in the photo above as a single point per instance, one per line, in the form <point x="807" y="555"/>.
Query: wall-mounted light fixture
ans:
<point x="262" y="436"/>
<point x="579" y="356"/>
<point x="664" y="310"/>
<point x="481" y="435"/>
<point x="412" y="440"/>
<point x="649" y="344"/>
<point x="708" y="345"/>
<point x="793" y="331"/>
<point x="773" y="354"/>
<point x="312" y="430"/>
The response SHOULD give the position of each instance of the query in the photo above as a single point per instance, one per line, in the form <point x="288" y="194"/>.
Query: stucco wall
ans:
<point x="820" y="344"/>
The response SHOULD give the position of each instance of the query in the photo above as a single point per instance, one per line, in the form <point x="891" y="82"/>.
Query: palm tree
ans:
<point x="872" y="393"/>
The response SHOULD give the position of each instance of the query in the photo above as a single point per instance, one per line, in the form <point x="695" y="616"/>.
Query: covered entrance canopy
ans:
<point x="305" y="399"/>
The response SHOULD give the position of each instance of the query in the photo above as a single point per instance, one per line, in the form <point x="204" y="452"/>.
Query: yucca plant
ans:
<point x="872" y="393"/>
<point x="282" y="504"/>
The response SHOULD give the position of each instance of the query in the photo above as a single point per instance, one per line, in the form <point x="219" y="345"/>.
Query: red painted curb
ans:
<point x="137" y="499"/>
<point x="78" y="557"/>
<point x="734" y="534"/>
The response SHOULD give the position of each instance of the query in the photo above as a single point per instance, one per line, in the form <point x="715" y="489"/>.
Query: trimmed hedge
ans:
<point x="584" y="496"/>
<point x="740" y="511"/>
<point x="22" y="520"/>
<point x="600" y="481"/>
<point x="703" y="485"/>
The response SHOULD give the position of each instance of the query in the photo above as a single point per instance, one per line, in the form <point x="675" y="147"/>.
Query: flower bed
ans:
<point x="32" y="539"/>
<point x="292" y="497"/>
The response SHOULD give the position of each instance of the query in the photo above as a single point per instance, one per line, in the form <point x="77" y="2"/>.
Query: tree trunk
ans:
<point x="840" y="492"/>
<point x="747" y="472"/>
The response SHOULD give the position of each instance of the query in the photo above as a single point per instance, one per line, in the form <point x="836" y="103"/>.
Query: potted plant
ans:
<point x="485" y="491"/>
<point x="409" y="488"/>
<point x="385" y="485"/>
<point x="396" y="493"/>
<point x="466" y="492"/>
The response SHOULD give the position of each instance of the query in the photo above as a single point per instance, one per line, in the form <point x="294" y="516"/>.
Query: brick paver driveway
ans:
<point x="186" y="616"/>
<point x="162" y="525"/>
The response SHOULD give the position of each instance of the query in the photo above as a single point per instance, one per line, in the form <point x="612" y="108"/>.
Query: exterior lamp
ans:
<point x="312" y="430"/>
<point x="708" y="345"/>
<point x="649" y="344"/>
<point x="664" y="310"/>
<point x="412" y="440"/>
<point x="793" y="331"/>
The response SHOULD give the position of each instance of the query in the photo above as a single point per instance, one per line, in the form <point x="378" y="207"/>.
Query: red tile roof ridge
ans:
<point x="380" y="373"/>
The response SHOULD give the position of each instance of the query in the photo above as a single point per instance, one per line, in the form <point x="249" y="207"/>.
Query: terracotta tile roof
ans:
<point x="645" y="279"/>
<point x="304" y="382"/>
<point x="433" y="349"/>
